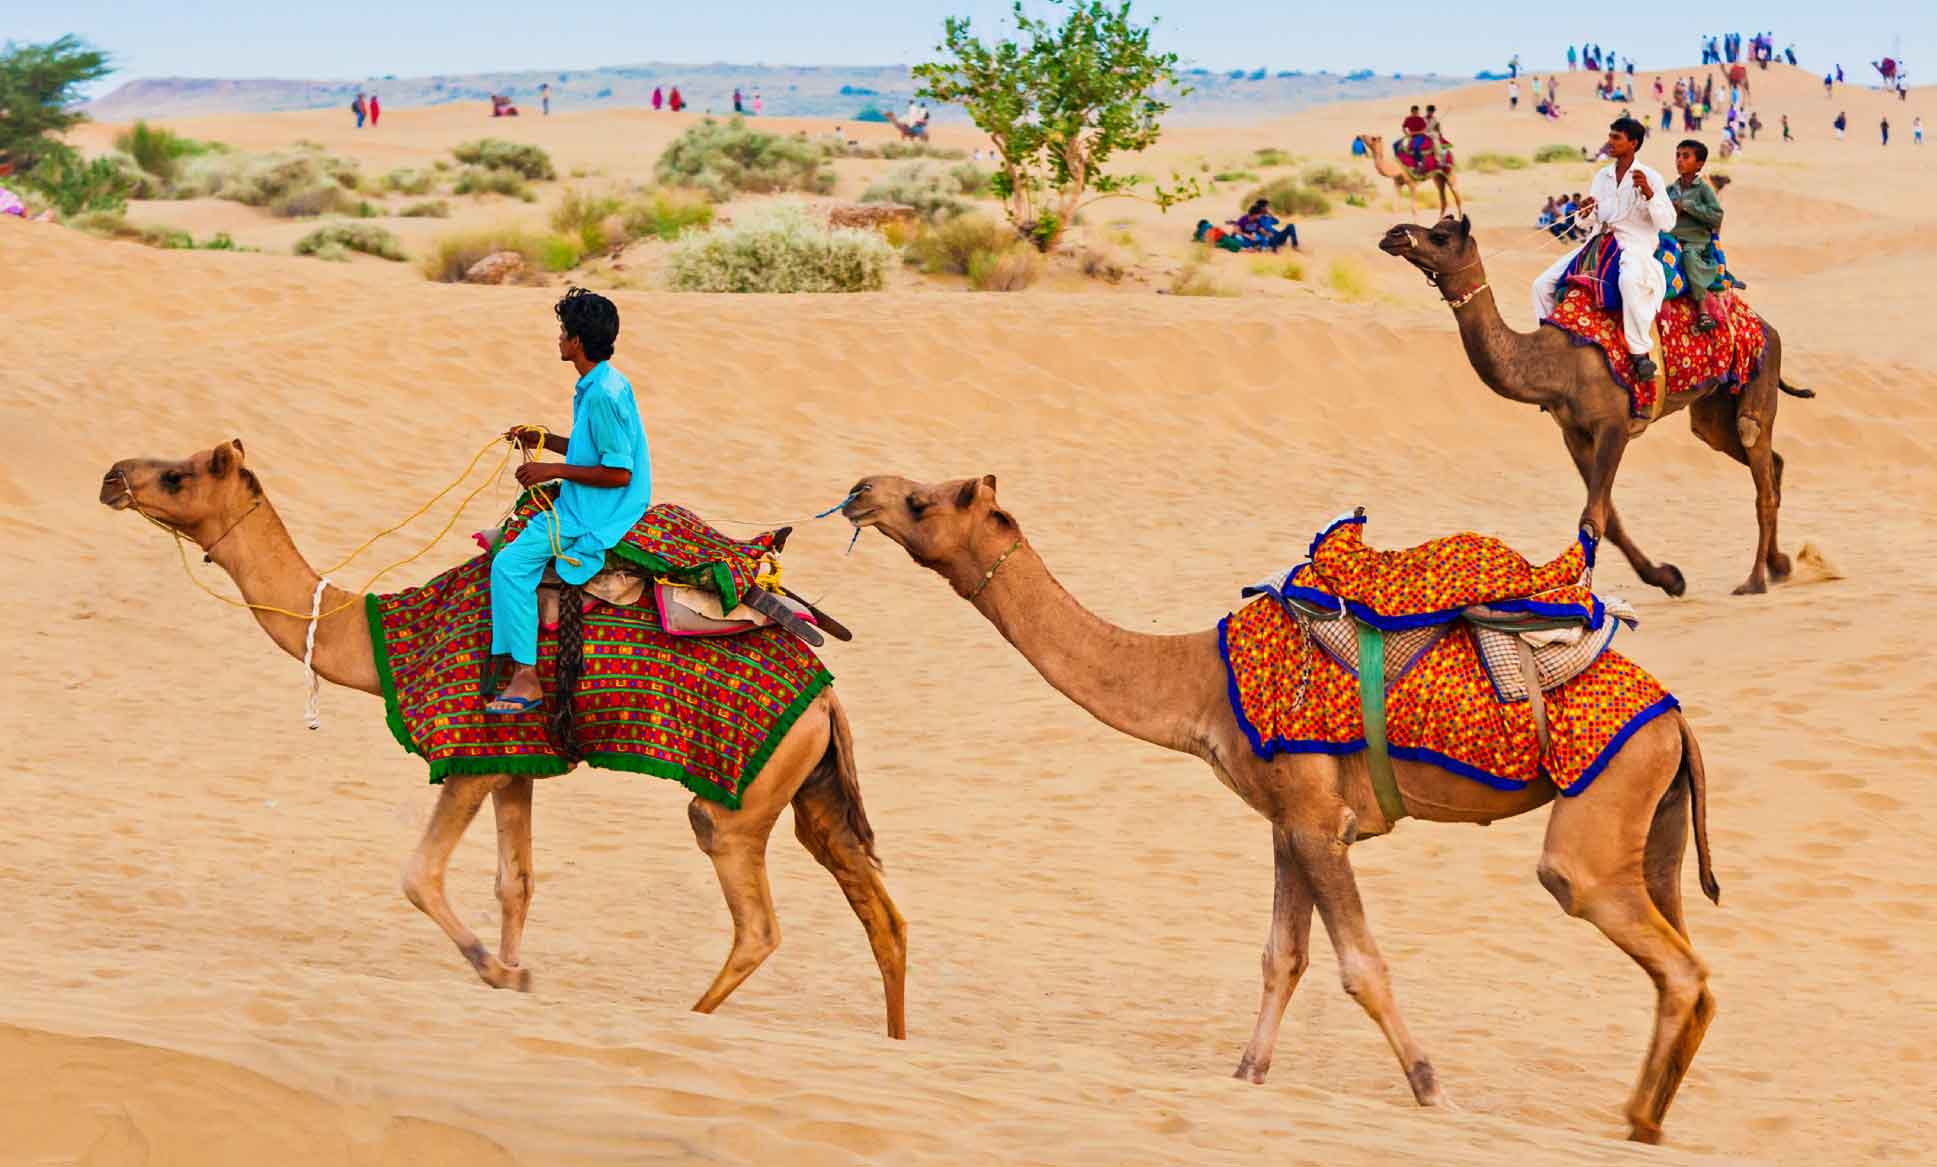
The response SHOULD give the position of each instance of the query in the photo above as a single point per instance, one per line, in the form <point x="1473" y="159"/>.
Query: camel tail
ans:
<point x="838" y="767"/>
<point x="1793" y="390"/>
<point x="1691" y="767"/>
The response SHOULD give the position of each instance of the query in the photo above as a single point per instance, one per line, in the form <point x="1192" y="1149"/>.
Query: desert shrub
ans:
<point x="159" y="151"/>
<point x="1494" y="163"/>
<point x="1288" y="196"/>
<point x="1338" y="181"/>
<point x="498" y="154"/>
<point x="493" y="180"/>
<point x="452" y="255"/>
<point x="1100" y="263"/>
<point x="368" y="238"/>
<point x="931" y="188"/>
<point x="260" y="179"/>
<point x="1557" y="152"/>
<point x="430" y="209"/>
<point x="581" y="208"/>
<point x="779" y="250"/>
<point x="1011" y="270"/>
<point x="310" y="202"/>
<point x="725" y="158"/>
<point x="74" y="187"/>
<point x="1270" y="156"/>
<point x="410" y="182"/>
<point x="1197" y="279"/>
<point x="900" y="150"/>
<point x="1234" y="176"/>
<point x="1348" y="279"/>
<point x="332" y="252"/>
<point x="950" y="247"/>
<point x="113" y="225"/>
<point x="1278" y="269"/>
<point x="665" y="214"/>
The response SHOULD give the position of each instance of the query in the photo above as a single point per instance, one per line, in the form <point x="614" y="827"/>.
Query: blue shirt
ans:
<point x="606" y="431"/>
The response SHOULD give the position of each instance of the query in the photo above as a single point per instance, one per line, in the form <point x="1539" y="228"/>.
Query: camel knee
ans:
<point x="1363" y="978"/>
<point x="514" y="890"/>
<point x="1285" y="966"/>
<point x="702" y="825"/>
<point x="419" y="883"/>
<point x="1559" y="885"/>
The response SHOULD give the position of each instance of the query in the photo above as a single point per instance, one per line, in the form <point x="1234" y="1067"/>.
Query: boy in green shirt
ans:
<point x="1698" y="216"/>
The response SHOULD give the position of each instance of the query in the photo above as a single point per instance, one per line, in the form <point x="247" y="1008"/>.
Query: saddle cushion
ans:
<point x="1291" y="696"/>
<point x="706" y="713"/>
<point x="1728" y="357"/>
<point x="673" y="543"/>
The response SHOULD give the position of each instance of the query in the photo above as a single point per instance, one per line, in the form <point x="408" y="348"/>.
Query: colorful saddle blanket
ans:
<point x="1443" y="705"/>
<point x="704" y="712"/>
<point x="1589" y="312"/>
<point x="1422" y="154"/>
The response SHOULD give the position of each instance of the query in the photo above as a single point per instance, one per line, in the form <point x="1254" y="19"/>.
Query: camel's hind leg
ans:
<point x="457" y="804"/>
<point x="1722" y="422"/>
<point x="512" y="804"/>
<point x="1286" y="955"/>
<point x="1597" y="862"/>
<point x="820" y="822"/>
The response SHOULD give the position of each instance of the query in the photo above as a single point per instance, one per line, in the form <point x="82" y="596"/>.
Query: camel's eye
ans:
<point x="1437" y="236"/>
<point x="918" y="506"/>
<point x="171" y="479"/>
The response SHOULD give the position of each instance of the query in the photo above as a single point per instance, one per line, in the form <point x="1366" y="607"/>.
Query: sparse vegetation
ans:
<point x="1495" y="163"/>
<point x="367" y="238"/>
<point x="453" y="255"/>
<point x="1234" y="176"/>
<point x="1338" y="181"/>
<point x="160" y="151"/>
<point x="1011" y="270"/>
<point x="1278" y="269"/>
<point x="261" y="179"/>
<point x="1349" y="280"/>
<point x="75" y="187"/>
<point x="114" y="225"/>
<point x="307" y="203"/>
<point x="1198" y="279"/>
<point x="666" y="214"/>
<point x="1288" y="196"/>
<point x="950" y="248"/>
<point x="493" y="180"/>
<point x="1557" y="152"/>
<point x="779" y="250"/>
<point x="430" y="209"/>
<point x="727" y="158"/>
<point x="934" y="190"/>
<point x="407" y="181"/>
<point x="498" y="154"/>
<point x="1102" y="263"/>
<point x="1269" y="156"/>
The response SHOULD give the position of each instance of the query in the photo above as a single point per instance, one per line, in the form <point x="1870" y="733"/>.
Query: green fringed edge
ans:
<point x="380" y="647"/>
<point x="714" y="575"/>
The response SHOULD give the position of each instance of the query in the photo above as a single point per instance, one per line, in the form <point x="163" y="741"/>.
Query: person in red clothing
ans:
<point x="674" y="101"/>
<point x="376" y="109"/>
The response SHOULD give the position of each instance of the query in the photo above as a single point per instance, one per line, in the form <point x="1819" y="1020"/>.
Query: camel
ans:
<point x="1406" y="180"/>
<point x="1573" y="385"/>
<point x="916" y="131"/>
<point x="212" y="500"/>
<point x="1612" y="855"/>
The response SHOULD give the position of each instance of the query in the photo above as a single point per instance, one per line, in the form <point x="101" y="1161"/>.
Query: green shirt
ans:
<point x="1698" y="213"/>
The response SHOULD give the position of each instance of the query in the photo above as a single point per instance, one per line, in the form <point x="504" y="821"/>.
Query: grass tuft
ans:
<point x="367" y="238"/>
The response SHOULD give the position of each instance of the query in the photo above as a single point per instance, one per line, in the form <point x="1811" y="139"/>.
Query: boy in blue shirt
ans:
<point x="605" y="485"/>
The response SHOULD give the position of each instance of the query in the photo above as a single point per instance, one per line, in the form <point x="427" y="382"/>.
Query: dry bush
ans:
<point x="728" y="158"/>
<point x="498" y="154"/>
<point x="1101" y="263"/>
<point x="1281" y="269"/>
<point x="260" y="179"/>
<point x="934" y="190"/>
<point x="1005" y="271"/>
<point x="368" y="238"/>
<point x="431" y="209"/>
<point x="1349" y="280"/>
<point x="312" y="201"/>
<point x="453" y="255"/>
<point x="665" y="214"/>
<point x="948" y="248"/>
<point x="1270" y="156"/>
<point x="1290" y="197"/>
<point x="1495" y="163"/>
<point x="410" y="182"/>
<point x="1557" y="152"/>
<point x="490" y="180"/>
<point x="1338" y="181"/>
<point x="1197" y="279"/>
<point x="779" y="249"/>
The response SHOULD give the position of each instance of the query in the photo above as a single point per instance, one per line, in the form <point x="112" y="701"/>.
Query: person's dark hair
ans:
<point x="1432" y="109"/>
<point x="1633" y="130"/>
<point x="591" y="319"/>
<point x="1701" y="151"/>
<point x="1260" y="205"/>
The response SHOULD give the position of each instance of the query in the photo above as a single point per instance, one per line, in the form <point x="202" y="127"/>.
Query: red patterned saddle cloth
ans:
<point x="1729" y="357"/>
<point x="1443" y="705"/>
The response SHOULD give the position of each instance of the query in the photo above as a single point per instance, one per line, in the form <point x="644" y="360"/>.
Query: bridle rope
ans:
<point x="995" y="567"/>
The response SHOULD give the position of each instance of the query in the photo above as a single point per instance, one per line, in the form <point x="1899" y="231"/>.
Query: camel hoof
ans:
<point x="1755" y="585"/>
<point x="1669" y="579"/>
<point x="1640" y="1133"/>
<point x="1250" y="1071"/>
<point x="499" y="975"/>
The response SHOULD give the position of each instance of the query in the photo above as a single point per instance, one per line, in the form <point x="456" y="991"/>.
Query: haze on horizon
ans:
<point x="354" y="39"/>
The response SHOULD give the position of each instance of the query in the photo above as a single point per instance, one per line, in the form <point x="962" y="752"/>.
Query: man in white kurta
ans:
<point x="1629" y="201"/>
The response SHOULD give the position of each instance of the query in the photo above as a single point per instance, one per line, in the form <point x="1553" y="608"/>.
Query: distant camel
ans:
<point x="1573" y="385"/>
<point x="917" y="130"/>
<point x="1406" y="180"/>
<point x="1612" y="856"/>
<point x="211" y="500"/>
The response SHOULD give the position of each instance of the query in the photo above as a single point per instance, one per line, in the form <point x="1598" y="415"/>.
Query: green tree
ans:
<point x="1058" y="102"/>
<point x="38" y="86"/>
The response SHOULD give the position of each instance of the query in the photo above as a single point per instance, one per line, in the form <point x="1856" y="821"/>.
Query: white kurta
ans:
<point x="1636" y="224"/>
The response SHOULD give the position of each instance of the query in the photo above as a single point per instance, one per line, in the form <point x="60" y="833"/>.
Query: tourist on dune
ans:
<point x="658" y="98"/>
<point x="1629" y="202"/>
<point x="359" y="109"/>
<point x="376" y="110"/>
<point x="605" y="485"/>
<point x="674" y="101"/>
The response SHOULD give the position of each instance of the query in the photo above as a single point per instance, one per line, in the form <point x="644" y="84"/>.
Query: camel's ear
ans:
<point x="221" y="460"/>
<point x="1465" y="226"/>
<point x="237" y="443"/>
<point x="988" y="480"/>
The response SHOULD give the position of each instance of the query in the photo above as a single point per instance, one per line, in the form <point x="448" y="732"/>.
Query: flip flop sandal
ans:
<point x="512" y="706"/>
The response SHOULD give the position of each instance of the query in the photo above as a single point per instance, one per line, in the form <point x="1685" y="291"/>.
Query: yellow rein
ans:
<point x="357" y="597"/>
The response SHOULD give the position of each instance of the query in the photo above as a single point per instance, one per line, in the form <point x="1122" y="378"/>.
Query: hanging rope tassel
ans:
<point x="312" y="716"/>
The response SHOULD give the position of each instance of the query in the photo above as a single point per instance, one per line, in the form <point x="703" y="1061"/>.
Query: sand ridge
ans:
<point x="211" y="961"/>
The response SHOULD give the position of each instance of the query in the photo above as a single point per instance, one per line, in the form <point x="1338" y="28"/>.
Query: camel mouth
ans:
<point x="116" y="495"/>
<point x="1396" y="241"/>
<point x="861" y="518"/>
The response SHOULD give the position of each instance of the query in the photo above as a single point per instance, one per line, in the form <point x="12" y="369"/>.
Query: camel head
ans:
<point x="198" y="496"/>
<point x="1440" y="250"/>
<point x="1373" y="143"/>
<point x="953" y="528"/>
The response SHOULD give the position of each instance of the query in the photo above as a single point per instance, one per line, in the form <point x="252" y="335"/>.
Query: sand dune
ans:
<point x="210" y="962"/>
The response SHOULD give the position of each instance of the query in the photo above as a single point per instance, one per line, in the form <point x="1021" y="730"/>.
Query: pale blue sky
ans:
<point x="353" y="39"/>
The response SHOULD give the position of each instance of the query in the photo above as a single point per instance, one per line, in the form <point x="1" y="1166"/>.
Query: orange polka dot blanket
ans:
<point x="1729" y="356"/>
<point x="1291" y="696"/>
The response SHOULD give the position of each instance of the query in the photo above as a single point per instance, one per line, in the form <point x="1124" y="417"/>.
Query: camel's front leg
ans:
<point x="1319" y="849"/>
<point x="515" y="882"/>
<point x="457" y="805"/>
<point x="1287" y="952"/>
<point x="1665" y="576"/>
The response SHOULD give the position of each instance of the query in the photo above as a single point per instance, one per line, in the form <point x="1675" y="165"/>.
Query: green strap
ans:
<point x="1372" y="706"/>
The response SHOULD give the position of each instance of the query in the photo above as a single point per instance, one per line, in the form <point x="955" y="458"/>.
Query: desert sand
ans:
<point x="208" y="957"/>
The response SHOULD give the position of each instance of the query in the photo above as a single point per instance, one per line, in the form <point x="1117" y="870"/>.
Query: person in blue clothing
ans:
<point x="605" y="485"/>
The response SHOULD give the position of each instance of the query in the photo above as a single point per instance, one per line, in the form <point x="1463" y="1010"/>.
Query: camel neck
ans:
<point x="1157" y="688"/>
<point x="1508" y="362"/>
<point x="262" y="559"/>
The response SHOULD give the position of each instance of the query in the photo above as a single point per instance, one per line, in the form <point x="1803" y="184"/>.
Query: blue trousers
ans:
<point x="515" y="573"/>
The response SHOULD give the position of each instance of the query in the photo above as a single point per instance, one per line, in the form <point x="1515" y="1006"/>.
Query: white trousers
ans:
<point x="1642" y="290"/>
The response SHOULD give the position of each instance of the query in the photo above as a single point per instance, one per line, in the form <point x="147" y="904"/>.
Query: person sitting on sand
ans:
<point x="1698" y="216"/>
<point x="604" y="487"/>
